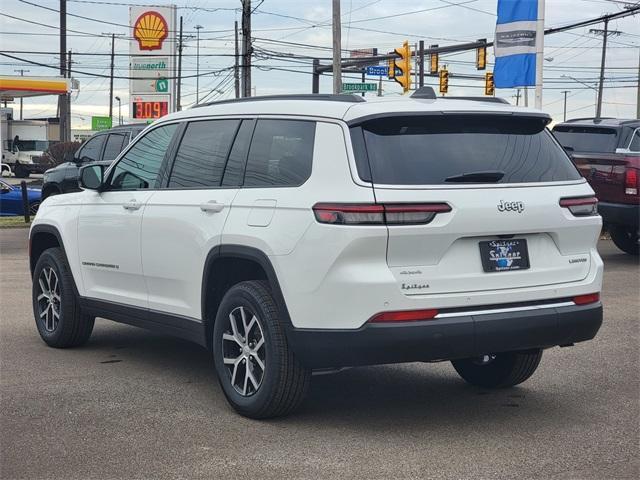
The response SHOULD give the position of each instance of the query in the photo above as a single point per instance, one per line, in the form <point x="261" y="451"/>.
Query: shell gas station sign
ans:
<point x="152" y="62"/>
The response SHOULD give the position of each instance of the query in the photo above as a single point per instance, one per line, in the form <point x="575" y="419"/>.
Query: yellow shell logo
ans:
<point x="150" y="30"/>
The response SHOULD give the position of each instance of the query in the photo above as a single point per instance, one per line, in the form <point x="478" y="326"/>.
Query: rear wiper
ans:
<point x="484" y="176"/>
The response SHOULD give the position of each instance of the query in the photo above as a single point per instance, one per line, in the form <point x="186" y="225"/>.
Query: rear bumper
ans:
<point x="446" y="338"/>
<point x="620" y="213"/>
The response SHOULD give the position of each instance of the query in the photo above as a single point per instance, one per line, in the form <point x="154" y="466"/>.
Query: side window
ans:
<point x="238" y="156"/>
<point x="140" y="165"/>
<point x="90" y="151"/>
<point x="634" y="145"/>
<point x="281" y="153"/>
<point x="114" y="146"/>
<point x="202" y="153"/>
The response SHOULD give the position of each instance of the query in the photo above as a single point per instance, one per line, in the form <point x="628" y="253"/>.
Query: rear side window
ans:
<point x="281" y="153"/>
<point x="115" y="144"/>
<point x="440" y="149"/>
<point x="634" y="145"/>
<point x="202" y="154"/>
<point x="587" y="139"/>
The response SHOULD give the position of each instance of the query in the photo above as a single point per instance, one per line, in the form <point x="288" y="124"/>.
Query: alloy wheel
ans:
<point x="243" y="351"/>
<point x="49" y="299"/>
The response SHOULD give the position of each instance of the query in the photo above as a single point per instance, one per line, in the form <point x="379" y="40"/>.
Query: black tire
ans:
<point x="500" y="370"/>
<point x="284" y="381"/>
<point x="73" y="328"/>
<point x="625" y="238"/>
<point x="20" y="171"/>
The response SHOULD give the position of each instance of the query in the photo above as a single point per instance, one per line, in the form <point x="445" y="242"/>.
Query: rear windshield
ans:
<point x="435" y="149"/>
<point x="587" y="139"/>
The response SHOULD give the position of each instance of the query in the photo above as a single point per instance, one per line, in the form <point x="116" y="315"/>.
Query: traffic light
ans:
<point x="489" y="87"/>
<point x="392" y="68"/>
<point x="444" y="80"/>
<point x="481" y="56"/>
<point x="403" y="64"/>
<point x="433" y="61"/>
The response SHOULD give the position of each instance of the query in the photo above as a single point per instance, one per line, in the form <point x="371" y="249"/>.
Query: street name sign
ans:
<point x="359" y="87"/>
<point x="378" y="70"/>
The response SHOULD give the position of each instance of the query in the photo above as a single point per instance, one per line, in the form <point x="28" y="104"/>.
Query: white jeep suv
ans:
<point x="296" y="233"/>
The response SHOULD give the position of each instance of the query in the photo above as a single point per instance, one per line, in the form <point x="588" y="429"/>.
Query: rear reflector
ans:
<point x="580" y="206"/>
<point x="631" y="181"/>
<point x="586" y="299"/>
<point x="378" y="214"/>
<point x="404" y="316"/>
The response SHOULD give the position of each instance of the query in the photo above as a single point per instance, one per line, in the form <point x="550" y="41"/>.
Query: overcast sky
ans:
<point x="307" y="26"/>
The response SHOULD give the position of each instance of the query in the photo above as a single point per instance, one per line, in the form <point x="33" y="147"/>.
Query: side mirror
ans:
<point x="91" y="177"/>
<point x="69" y="157"/>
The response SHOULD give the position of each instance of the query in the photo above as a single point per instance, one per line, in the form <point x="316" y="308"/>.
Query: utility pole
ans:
<point x="564" y="116"/>
<point x="113" y="37"/>
<point x="68" y="122"/>
<point x="605" y="33"/>
<point x="236" y="68"/>
<point x="21" y="70"/>
<point x="526" y="97"/>
<point x="337" y="48"/>
<point x="179" y="85"/>
<point x="247" y="49"/>
<point x="517" y="96"/>
<point x="638" y="94"/>
<point x="198" y="27"/>
<point x="62" y="100"/>
<point x="421" y="68"/>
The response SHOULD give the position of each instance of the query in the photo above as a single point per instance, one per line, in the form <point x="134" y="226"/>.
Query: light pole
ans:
<point x="586" y="85"/>
<point x="198" y="27"/>
<point x="564" y="92"/>
<point x="119" y="111"/>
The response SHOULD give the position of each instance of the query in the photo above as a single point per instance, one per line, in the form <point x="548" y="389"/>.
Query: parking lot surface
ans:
<point x="132" y="404"/>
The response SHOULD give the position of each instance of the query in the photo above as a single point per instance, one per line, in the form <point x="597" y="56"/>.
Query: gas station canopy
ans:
<point x="12" y="87"/>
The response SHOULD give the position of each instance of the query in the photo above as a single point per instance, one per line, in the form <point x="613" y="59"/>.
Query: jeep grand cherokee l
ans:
<point x="294" y="233"/>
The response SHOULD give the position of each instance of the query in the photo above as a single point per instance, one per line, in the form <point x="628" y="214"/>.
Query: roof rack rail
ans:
<point x="588" y="118"/>
<point x="327" y="97"/>
<point x="480" y="99"/>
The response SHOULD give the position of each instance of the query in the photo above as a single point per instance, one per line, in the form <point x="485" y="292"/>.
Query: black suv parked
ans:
<point x="103" y="148"/>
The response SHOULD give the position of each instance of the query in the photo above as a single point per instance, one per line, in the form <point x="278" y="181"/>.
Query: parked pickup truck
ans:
<point x="607" y="153"/>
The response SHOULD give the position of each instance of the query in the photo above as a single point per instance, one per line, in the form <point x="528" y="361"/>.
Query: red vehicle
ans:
<point x="607" y="153"/>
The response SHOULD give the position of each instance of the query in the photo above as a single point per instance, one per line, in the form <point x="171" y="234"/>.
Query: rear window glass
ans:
<point x="438" y="149"/>
<point x="587" y="139"/>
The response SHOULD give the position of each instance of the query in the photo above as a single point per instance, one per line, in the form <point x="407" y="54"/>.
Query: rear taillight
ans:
<point x="404" y="316"/>
<point x="581" y="206"/>
<point x="631" y="181"/>
<point x="586" y="299"/>
<point x="378" y="214"/>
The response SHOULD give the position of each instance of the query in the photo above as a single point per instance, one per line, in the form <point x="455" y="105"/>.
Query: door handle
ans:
<point x="212" y="206"/>
<point x="131" y="205"/>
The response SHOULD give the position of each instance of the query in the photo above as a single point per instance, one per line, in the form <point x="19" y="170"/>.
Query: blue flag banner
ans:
<point x="515" y="43"/>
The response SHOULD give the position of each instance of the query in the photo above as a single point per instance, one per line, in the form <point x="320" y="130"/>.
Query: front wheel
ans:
<point x="625" y="238"/>
<point x="499" y="370"/>
<point x="258" y="372"/>
<point x="21" y="171"/>
<point x="59" y="320"/>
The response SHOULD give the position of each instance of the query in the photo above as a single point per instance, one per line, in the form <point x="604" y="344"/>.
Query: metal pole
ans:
<point x="337" y="48"/>
<point x="421" y="54"/>
<point x="565" y="105"/>
<point x="179" y="82"/>
<point x="68" y="98"/>
<point x="638" y="94"/>
<point x="198" y="27"/>
<point x="539" y="53"/>
<point x="25" y="201"/>
<point x="604" y="55"/>
<point x="526" y="96"/>
<point x="21" y="70"/>
<point x="236" y="68"/>
<point x="315" y="78"/>
<point x="246" y="48"/>
<point x="62" y="101"/>
<point x="111" y="75"/>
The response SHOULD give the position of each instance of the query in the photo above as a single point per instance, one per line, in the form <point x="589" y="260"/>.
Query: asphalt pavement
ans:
<point x="133" y="404"/>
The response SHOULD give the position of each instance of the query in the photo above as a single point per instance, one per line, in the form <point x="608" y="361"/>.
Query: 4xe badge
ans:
<point x="510" y="206"/>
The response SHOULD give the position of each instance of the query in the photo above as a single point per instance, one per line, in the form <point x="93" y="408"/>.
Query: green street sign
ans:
<point x="100" y="123"/>
<point x="162" y="85"/>
<point x="359" y="87"/>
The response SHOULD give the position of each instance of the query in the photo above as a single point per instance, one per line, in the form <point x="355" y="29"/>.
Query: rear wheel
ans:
<point x="258" y="372"/>
<point x="33" y="208"/>
<point x="499" y="370"/>
<point x="55" y="304"/>
<point x="625" y="238"/>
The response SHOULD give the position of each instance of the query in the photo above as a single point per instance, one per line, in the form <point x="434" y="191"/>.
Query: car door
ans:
<point x="110" y="221"/>
<point x="184" y="221"/>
